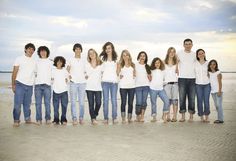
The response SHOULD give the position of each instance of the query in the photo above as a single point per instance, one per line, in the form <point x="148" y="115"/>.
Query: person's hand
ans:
<point x="121" y="76"/>
<point x="177" y="71"/>
<point x="70" y="77"/>
<point x="219" y="94"/>
<point x="149" y="77"/>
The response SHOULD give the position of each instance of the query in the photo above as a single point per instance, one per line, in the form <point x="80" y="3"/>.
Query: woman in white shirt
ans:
<point x="93" y="74"/>
<point x="203" y="87"/>
<point x="109" y="80"/>
<point x="43" y="84"/>
<point x="127" y="84"/>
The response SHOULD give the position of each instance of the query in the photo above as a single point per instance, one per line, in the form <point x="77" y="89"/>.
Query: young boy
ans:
<point x="22" y="84"/>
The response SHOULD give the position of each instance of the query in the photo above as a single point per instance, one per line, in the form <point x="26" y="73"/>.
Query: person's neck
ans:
<point x="127" y="63"/>
<point x="109" y="58"/>
<point x="59" y="68"/>
<point x="27" y="55"/>
<point x="202" y="61"/>
<point x="187" y="51"/>
<point x="141" y="62"/>
<point x="77" y="56"/>
<point x="213" y="70"/>
<point x="170" y="61"/>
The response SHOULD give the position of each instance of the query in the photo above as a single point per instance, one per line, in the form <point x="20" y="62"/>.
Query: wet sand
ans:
<point x="121" y="142"/>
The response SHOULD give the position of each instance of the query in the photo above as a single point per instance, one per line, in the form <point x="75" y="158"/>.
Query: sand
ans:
<point x="122" y="142"/>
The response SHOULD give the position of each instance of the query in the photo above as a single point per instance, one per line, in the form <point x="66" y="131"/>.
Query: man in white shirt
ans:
<point x="76" y="69"/>
<point x="22" y="84"/>
<point x="186" y="79"/>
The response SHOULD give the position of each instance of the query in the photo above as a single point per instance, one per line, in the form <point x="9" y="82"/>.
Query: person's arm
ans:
<point x="219" y="77"/>
<point x="177" y="65"/>
<point x="13" y="78"/>
<point x="118" y="68"/>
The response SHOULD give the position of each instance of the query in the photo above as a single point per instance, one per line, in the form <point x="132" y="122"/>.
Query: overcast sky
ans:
<point x="149" y="25"/>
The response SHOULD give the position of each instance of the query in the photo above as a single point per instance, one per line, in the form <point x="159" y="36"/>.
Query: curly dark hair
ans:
<point x="103" y="55"/>
<point x="43" y="48"/>
<point x="162" y="67"/>
<point x="59" y="58"/>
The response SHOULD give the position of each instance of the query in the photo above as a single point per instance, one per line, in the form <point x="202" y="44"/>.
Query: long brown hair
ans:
<point x="167" y="56"/>
<point x="162" y="66"/>
<point x="98" y="60"/>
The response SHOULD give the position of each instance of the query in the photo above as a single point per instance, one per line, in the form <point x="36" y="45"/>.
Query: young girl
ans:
<point x="93" y="72"/>
<point x="156" y="88"/>
<point x="143" y="77"/>
<point x="127" y="83"/>
<point x="216" y="89"/>
<point x="60" y="94"/>
<point x="109" y="80"/>
<point x="203" y="87"/>
<point x="43" y="84"/>
<point x="171" y="81"/>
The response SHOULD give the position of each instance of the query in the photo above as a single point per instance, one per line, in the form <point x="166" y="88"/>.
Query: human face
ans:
<point x="125" y="56"/>
<point x="213" y="66"/>
<point x="201" y="55"/>
<point x="142" y="58"/>
<point x="172" y="53"/>
<point x="29" y="52"/>
<point x="108" y="50"/>
<point x="157" y="64"/>
<point x="77" y="51"/>
<point x="59" y="64"/>
<point x="43" y="54"/>
<point x="188" y="45"/>
<point x="92" y="55"/>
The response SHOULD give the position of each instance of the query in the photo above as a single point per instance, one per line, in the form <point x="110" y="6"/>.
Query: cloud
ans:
<point x="69" y="22"/>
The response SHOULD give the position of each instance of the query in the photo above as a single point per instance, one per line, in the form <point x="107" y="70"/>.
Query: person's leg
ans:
<point x="182" y="97"/>
<point x="38" y="92"/>
<point x="191" y="91"/>
<point x="138" y="94"/>
<point x="98" y="102"/>
<point x="81" y="95"/>
<point x="18" y="100"/>
<point x="169" y="92"/>
<point x="145" y="92"/>
<point x="153" y="97"/>
<point x="200" y="98"/>
<point x="27" y="103"/>
<point x="55" y="100"/>
<point x="73" y="97"/>
<point x="174" y="101"/>
<point x="105" y="92"/>
<point x="123" y="96"/>
<point x="47" y="102"/>
<point x="90" y="96"/>
<point x="218" y="104"/>
<point x="114" y="88"/>
<point x="166" y="106"/>
<point x="130" y="103"/>
<point x="64" y="103"/>
<point x="207" y="90"/>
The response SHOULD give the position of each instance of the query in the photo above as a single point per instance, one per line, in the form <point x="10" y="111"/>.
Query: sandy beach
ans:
<point x="121" y="142"/>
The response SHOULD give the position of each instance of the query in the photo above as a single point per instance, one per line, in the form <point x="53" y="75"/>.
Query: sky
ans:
<point x="137" y="25"/>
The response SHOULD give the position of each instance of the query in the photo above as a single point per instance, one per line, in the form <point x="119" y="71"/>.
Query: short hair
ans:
<point x="198" y="50"/>
<point x="209" y="64"/>
<point x="29" y="45"/>
<point x="162" y="66"/>
<point x="59" y="58"/>
<point x="77" y="45"/>
<point x="104" y="56"/>
<point x="188" y="40"/>
<point x="43" y="48"/>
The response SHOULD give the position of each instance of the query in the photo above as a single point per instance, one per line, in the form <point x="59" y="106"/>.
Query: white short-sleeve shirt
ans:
<point x="26" y="72"/>
<point x="43" y="71"/>
<point x="128" y="79"/>
<point x="201" y="73"/>
<point x="59" y="77"/>
<point x="157" y="80"/>
<point x="109" y="72"/>
<point x="170" y="74"/>
<point x="214" y="81"/>
<point x="186" y="64"/>
<point x="93" y="83"/>
<point x="141" y="75"/>
<point x="77" y="70"/>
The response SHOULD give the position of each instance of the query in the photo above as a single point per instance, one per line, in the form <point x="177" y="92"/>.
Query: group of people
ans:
<point x="176" y="78"/>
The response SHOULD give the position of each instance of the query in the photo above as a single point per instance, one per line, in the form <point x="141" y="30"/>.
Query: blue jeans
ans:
<point x="94" y="96"/>
<point x="162" y="94"/>
<point x="23" y="95"/>
<point x="203" y="96"/>
<point x="141" y="98"/>
<point x="124" y="93"/>
<point x="57" y="99"/>
<point x="186" y="89"/>
<point x="218" y="103"/>
<point x="77" y="89"/>
<point x="112" y="87"/>
<point x="42" y="91"/>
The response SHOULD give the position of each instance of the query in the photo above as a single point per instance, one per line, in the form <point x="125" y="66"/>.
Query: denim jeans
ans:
<point x="203" y="96"/>
<point x="112" y="87"/>
<point x="186" y="89"/>
<point x="22" y="96"/>
<point x="77" y="89"/>
<point x="42" y="91"/>
<point x="218" y="103"/>
<point x="141" y="98"/>
<point x="57" y="99"/>
<point x="162" y="94"/>
<point x="123" y="94"/>
<point x="94" y="101"/>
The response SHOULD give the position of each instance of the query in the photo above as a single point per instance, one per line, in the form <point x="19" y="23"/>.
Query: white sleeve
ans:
<point x="17" y="61"/>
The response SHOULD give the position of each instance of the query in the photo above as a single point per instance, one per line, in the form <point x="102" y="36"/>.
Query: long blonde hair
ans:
<point x="167" y="56"/>
<point x="98" y="60"/>
<point x="122" y="61"/>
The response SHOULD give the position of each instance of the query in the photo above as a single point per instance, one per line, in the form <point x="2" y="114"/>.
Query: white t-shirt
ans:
<point x="93" y="83"/>
<point x="77" y="70"/>
<point x="43" y="71"/>
<point x="186" y="64"/>
<point x="109" y="72"/>
<point x="26" y="72"/>
<point x="59" y="77"/>
<point x="214" y="81"/>
<point x="201" y="73"/>
<point x="128" y="79"/>
<point x="170" y="74"/>
<point x="157" y="80"/>
<point x="141" y="75"/>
